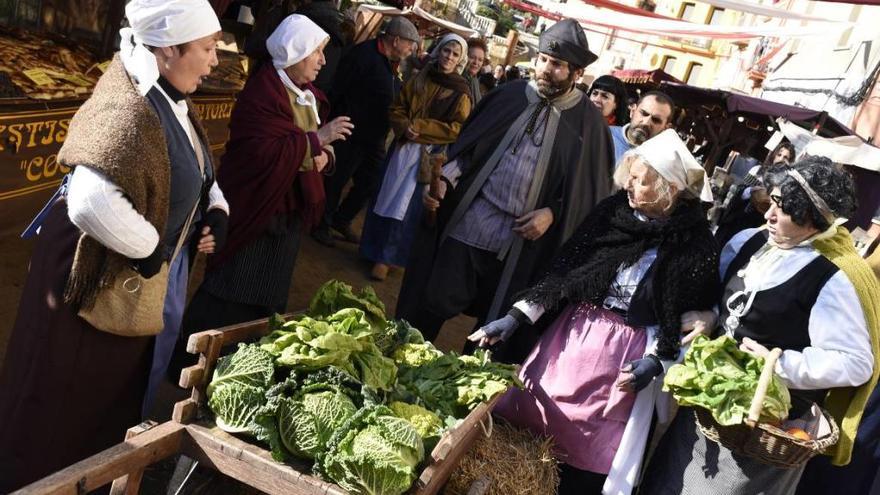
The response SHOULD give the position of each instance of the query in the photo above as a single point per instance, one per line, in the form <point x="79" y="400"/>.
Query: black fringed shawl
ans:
<point x="685" y="273"/>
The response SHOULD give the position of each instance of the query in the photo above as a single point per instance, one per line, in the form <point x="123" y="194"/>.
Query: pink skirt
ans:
<point x="570" y="392"/>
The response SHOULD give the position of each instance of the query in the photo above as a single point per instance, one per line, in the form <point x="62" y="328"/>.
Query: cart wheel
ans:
<point x="480" y="486"/>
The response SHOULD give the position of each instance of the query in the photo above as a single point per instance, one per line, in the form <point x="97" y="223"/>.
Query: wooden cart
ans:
<point x="190" y="433"/>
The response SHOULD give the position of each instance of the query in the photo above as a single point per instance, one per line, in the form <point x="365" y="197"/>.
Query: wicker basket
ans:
<point x="760" y="441"/>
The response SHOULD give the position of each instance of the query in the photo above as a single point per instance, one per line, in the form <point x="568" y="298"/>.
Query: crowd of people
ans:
<point x="571" y="222"/>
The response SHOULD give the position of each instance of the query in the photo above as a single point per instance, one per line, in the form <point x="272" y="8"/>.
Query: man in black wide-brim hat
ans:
<point x="528" y="166"/>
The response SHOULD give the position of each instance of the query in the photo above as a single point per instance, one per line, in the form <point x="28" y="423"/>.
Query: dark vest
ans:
<point x="187" y="186"/>
<point x="780" y="316"/>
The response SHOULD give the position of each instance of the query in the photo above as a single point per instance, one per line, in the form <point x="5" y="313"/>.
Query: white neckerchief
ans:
<point x="303" y="97"/>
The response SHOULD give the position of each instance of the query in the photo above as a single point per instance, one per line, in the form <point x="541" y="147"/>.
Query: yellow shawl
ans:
<point x="847" y="404"/>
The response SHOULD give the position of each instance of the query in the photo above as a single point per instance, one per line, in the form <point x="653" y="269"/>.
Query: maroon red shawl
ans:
<point x="259" y="173"/>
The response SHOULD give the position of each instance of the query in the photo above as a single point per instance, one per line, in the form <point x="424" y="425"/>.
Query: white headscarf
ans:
<point x="667" y="154"/>
<point x="451" y="37"/>
<point x="294" y="39"/>
<point x="161" y="23"/>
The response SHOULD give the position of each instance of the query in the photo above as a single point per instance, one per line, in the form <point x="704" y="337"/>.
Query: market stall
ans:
<point x="643" y="80"/>
<point x="718" y="122"/>
<point x="44" y="78"/>
<point x="369" y="19"/>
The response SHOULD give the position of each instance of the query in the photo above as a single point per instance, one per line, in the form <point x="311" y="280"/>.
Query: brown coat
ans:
<point x="117" y="133"/>
<point x="437" y="114"/>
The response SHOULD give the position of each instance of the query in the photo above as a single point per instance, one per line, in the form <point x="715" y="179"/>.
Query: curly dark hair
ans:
<point x="831" y="182"/>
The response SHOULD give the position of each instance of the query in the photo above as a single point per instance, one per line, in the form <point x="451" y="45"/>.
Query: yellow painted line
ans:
<point x="44" y="113"/>
<point x="28" y="190"/>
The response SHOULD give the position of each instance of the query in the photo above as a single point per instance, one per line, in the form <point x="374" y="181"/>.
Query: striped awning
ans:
<point x="642" y="76"/>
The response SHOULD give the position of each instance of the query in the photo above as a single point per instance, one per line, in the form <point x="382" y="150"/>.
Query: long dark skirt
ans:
<point x="687" y="463"/>
<point x="67" y="390"/>
<point x="389" y="241"/>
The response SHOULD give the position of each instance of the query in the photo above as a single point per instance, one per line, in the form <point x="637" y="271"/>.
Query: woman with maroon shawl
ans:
<point x="272" y="170"/>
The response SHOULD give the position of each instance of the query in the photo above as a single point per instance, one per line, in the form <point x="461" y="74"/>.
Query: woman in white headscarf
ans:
<point x="142" y="190"/>
<point x="279" y="143"/>
<point x="425" y="118"/>
<point x="639" y="269"/>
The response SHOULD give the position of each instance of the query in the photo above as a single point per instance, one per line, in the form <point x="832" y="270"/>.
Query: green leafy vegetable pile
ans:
<point x="358" y="395"/>
<point x="449" y="384"/>
<point x="718" y="376"/>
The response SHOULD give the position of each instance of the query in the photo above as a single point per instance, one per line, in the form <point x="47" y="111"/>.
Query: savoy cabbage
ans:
<point x="375" y="453"/>
<point x="237" y="390"/>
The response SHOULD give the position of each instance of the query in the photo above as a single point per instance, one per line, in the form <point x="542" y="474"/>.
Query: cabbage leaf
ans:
<point x="721" y="378"/>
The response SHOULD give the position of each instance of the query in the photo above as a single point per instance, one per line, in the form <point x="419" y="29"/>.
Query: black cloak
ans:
<point x="578" y="176"/>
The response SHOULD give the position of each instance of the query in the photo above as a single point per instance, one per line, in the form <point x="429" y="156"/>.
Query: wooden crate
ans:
<point x="190" y="434"/>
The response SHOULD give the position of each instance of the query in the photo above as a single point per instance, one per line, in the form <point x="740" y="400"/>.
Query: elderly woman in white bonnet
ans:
<point x="426" y="117"/>
<point x="279" y="143"/>
<point x="639" y="270"/>
<point x="141" y="193"/>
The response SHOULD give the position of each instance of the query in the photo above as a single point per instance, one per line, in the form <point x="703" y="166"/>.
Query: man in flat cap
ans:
<point x="366" y="84"/>
<point x="528" y="166"/>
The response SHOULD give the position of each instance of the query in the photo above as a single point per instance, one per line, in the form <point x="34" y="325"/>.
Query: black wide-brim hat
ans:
<point x="567" y="41"/>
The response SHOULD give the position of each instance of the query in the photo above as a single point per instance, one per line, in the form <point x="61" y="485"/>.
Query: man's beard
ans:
<point x="638" y="134"/>
<point x="550" y="89"/>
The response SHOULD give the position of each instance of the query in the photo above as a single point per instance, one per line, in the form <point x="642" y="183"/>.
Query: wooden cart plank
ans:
<point x="130" y="484"/>
<point x="251" y="464"/>
<point x="452" y="447"/>
<point x="122" y="459"/>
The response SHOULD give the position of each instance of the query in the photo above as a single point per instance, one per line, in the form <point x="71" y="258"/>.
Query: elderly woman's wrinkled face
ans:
<point x="449" y="56"/>
<point x="307" y="69"/>
<point x="643" y="189"/>
<point x="783" y="231"/>
<point x="186" y="66"/>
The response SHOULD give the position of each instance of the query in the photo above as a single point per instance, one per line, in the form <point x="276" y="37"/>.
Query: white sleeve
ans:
<point x="839" y="354"/>
<point x="532" y="311"/>
<point x="216" y="199"/>
<point x="731" y="249"/>
<point x="452" y="172"/>
<point x="100" y="209"/>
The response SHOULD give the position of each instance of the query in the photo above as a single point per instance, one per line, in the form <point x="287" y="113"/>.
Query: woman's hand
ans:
<point x="636" y="375"/>
<point x="495" y="331"/>
<point x="336" y="129"/>
<point x="215" y="227"/>
<point x="149" y="266"/>
<point x="321" y="161"/>
<point x="754" y="348"/>
<point x="430" y="202"/>
<point x="695" y="323"/>
<point x="207" y="243"/>
<point x="411" y="134"/>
